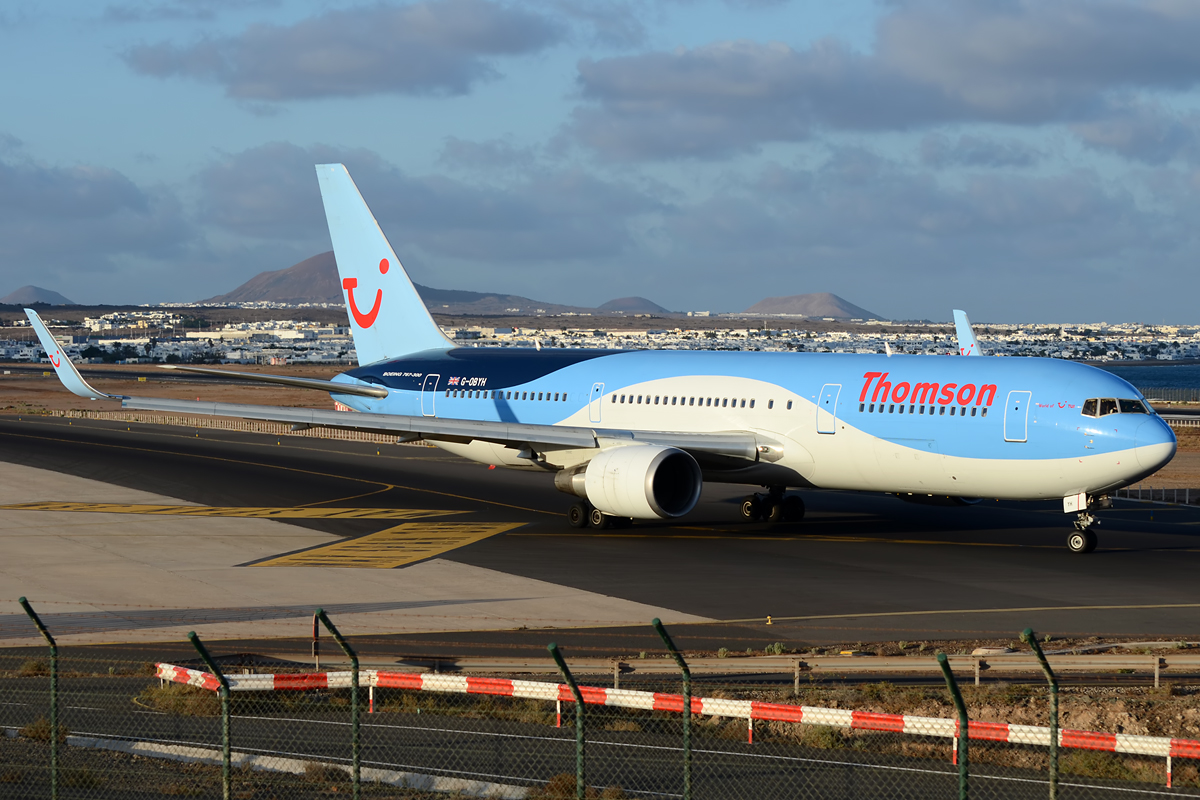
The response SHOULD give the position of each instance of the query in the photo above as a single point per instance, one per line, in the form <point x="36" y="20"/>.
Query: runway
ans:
<point x="859" y="568"/>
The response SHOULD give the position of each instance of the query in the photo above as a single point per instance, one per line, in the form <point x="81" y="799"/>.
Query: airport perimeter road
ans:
<point x="858" y="568"/>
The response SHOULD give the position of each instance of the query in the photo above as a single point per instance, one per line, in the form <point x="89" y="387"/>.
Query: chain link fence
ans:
<point x="81" y="726"/>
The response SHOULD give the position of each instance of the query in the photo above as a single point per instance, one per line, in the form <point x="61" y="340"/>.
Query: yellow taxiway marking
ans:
<point x="394" y="547"/>
<point x="235" y="511"/>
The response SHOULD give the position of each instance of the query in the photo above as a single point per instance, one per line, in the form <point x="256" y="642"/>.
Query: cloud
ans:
<point x="1143" y="132"/>
<point x="435" y="47"/>
<point x="270" y="192"/>
<point x="940" y="151"/>
<point x="1016" y="62"/>
<point x="76" y="228"/>
<point x="495" y="154"/>
<point x="908" y="244"/>
<point x="172" y="10"/>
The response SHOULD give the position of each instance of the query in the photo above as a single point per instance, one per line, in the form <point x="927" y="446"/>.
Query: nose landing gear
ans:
<point x="1083" y="538"/>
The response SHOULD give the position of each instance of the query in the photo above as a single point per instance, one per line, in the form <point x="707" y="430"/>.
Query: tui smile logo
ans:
<point x="56" y="359"/>
<point x="350" y="284"/>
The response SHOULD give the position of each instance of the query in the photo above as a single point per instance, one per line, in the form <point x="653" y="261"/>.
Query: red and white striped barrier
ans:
<point x="749" y="710"/>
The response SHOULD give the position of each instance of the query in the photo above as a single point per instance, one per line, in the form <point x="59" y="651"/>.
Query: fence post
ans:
<point x="53" y="694"/>
<point x="224" y="691"/>
<point x="1031" y="640"/>
<point x="580" y="740"/>
<point x="355" y="737"/>
<point x="964" y="728"/>
<point x="687" y="706"/>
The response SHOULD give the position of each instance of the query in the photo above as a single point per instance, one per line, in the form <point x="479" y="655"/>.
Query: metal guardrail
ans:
<point x="1182" y="420"/>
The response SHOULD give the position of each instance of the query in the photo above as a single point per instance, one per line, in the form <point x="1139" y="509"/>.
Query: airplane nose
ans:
<point x="1154" y="443"/>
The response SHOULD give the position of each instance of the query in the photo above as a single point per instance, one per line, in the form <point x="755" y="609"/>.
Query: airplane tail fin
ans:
<point x="968" y="345"/>
<point x="387" y="316"/>
<point x="63" y="367"/>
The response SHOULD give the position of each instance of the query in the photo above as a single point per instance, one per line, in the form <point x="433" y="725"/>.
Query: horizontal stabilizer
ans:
<point x="333" y="387"/>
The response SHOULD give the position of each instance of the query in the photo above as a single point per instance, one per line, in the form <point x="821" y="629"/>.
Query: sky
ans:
<point x="1028" y="161"/>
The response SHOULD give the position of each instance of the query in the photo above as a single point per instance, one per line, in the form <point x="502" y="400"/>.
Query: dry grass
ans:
<point x="181" y="700"/>
<point x="39" y="731"/>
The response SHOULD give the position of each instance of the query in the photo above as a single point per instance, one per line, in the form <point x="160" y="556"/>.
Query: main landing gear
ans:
<point x="774" y="506"/>
<point x="583" y="514"/>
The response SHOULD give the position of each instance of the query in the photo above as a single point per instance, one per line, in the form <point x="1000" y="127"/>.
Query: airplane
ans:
<point x="635" y="434"/>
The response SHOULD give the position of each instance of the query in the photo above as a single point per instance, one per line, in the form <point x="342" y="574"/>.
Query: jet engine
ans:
<point x="640" y="481"/>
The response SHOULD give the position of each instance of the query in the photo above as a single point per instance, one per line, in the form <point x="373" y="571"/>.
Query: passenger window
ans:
<point x="901" y="408"/>
<point x="973" y="410"/>
<point x="539" y="395"/>
<point x="524" y="395"/>
<point x="614" y="398"/>
<point x="725" y="403"/>
<point x="984" y="414"/>
<point x="789" y="408"/>
<point x="447" y="393"/>
<point x="1089" y="407"/>
<point x="872" y="409"/>
<point x="556" y="397"/>
<point x="708" y="401"/>
<point x="752" y="404"/>
<point x="770" y="404"/>
<point x="1132" y="407"/>
<point x="564" y="397"/>
<point x="922" y="409"/>
<point x="672" y="400"/>
<point x="942" y="411"/>
<point x="743" y="402"/>
<point x="508" y="395"/>
<point x="1107" y="406"/>
<point x="911" y="408"/>
<point x="691" y="401"/>
<point x="622" y="398"/>
<point x="952" y="410"/>
<point x="861" y="406"/>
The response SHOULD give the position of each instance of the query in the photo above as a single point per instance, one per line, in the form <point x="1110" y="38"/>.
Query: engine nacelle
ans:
<point x="643" y="481"/>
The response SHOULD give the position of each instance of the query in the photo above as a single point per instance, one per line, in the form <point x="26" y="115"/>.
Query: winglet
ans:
<point x="968" y="345"/>
<point x="63" y="367"/>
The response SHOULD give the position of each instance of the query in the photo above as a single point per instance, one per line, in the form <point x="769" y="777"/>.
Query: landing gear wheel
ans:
<point x="598" y="519"/>
<point x="1083" y="541"/>
<point x="751" y="509"/>
<point x="577" y="515"/>
<point x="793" y="508"/>
<point x="773" y="511"/>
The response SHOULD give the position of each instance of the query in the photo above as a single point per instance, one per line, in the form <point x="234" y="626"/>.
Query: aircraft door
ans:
<point x="827" y="408"/>
<point x="1016" y="417"/>
<point x="594" y="402"/>
<point x="429" y="395"/>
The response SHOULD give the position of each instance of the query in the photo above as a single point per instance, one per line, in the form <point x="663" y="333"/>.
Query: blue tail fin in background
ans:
<point x="968" y="345"/>
<point x="387" y="316"/>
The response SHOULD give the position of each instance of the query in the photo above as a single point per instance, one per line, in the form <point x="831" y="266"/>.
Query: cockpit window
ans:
<point x="1103" y="406"/>
<point x="1132" y="407"/>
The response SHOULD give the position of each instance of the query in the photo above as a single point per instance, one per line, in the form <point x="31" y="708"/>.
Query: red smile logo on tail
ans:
<point x="350" y="284"/>
<point x="56" y="359"/>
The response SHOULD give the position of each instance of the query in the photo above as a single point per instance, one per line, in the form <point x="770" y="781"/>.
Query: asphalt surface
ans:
<point x="858" y="568"/>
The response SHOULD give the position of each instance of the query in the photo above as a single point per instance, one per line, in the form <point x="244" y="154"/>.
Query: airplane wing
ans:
<point x="738" y="445"/>
<point x="968" y="345"/>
